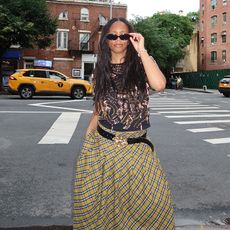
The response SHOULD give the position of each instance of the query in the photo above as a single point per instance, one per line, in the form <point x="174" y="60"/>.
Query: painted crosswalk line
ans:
<point x="197" y="116"/>
<point x="204" y="130"/>
<point x="195" y="111"/>
<point x="215" y="141"/>
<point x="62" y="129"/>
<point x="184" y="108"/>
<point x="187" y="112"/>
<point x="201" y="122"/>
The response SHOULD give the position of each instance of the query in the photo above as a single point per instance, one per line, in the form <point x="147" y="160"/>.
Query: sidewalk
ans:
<point x="205" y="90"/>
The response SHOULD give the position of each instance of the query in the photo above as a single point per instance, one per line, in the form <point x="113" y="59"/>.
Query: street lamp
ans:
<point x="111" y="10"/>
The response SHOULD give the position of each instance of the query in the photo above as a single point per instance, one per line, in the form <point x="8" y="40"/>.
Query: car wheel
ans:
<point x="78" y="92"/>
<point x="226" y="94"/>
<point x="26" y="92"/>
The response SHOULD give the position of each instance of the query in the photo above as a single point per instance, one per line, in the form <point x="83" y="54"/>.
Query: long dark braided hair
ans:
<point x="133" y="69"/>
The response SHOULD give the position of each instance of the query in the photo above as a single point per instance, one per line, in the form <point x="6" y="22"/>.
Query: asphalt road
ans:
<point x="40" y="140"/>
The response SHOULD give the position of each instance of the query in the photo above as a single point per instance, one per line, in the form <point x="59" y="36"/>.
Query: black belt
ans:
<point x="122" y="141"/>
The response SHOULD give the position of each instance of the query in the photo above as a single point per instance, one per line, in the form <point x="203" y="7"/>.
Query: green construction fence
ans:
<point x="200" y="79"/>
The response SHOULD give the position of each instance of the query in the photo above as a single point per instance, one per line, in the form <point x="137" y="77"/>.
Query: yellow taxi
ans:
<point x="30" y="82"/>
<point x="224" y="86"/>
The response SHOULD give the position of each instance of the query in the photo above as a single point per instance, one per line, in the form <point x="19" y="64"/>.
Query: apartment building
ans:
<point x="214" y="35"/>
<point x="74" y="48"/>
<point x="190" y="61"/>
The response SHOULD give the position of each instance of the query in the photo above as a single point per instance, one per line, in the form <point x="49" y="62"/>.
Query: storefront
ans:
<point x="9" y="63"/>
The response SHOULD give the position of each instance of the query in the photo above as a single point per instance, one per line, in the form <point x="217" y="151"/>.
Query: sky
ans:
<point x="149" y="7"/>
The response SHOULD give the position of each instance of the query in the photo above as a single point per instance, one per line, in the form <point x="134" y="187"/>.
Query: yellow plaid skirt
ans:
<point x="120" y="187"/>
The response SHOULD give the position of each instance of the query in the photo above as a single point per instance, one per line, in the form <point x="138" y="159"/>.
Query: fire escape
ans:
<point x="77" y="49"/>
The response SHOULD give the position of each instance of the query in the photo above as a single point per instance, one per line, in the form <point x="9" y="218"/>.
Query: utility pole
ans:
<point x="111" y="10"/>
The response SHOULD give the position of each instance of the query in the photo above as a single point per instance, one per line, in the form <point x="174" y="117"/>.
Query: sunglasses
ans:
<point x="115" y="37"/>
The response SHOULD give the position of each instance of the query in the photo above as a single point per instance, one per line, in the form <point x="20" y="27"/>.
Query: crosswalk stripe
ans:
<point x="178" y="105"/>
<point x="62" y="129"/>
<point x="196" y="111"/>
<point x="203" y="130"/>
<point x="201" y="122"/>
<point x="174" y="109"/>
<point x="185" y="107"/>
<point x="218" y="140"/>
<point x="202" y="115"/>
<point x="174" y="102"/>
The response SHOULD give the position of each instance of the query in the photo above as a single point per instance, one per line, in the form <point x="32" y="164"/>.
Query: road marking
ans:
<point x="201" y="122"/>
<point x="218" y="140"/>
<point x="62" y="129"/>
<point x="174" y="103"/>
<point x="177" y="105"/>
<point x="154" y="114"/>
<point x="22" y="112"/>
<point x="46" y="105"/>
<point x="203" y="130"/>
<point x="185" y="107"/>
<point x="196" y="111"/>
<point x="58" y="102"/>
<point x="64" y="108"/>
<point x="203" y="115"/>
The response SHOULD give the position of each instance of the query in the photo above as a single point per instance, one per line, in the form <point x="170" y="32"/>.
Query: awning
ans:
<point x="12" y="54"/>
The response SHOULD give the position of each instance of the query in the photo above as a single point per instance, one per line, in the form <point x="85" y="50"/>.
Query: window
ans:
<point x="63" y="15"/>
<point x="202" y="9"/>
<point x="28" y="64"/>
<point x="213" y="56"/>
<point x="84" y="14"/>
<point x="213" y="4"/>
<point x="224" y="2"/>
<point x="202" y="41"/>
<point x="202" y="26"/>
<point x="213" y="38"/>
<point x="202" y="59"/>
<point x="62" y="40"/>
<point x="76" y="73"/>
<point x="29" y="73"/>
<point x="55" y="75"/>
<point x="223" y="56"/>
<point x="224" y="18"/>
<point x="84" y="41"/>
<point x="36" y="73"/>
<point x="213" y="20"/>
<point x="224" y="36"/>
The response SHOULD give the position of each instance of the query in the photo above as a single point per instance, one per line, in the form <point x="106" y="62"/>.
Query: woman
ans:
<point x="119" y="182"/>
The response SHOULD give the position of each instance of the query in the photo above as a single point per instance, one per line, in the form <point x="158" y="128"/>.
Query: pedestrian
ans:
<point x="119" y="182"/>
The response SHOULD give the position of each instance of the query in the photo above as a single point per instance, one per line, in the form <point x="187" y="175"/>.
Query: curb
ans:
<point x="198" y="90"/>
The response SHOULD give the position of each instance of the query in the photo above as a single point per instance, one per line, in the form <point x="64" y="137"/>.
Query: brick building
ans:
<point x="214" y="35"/>
<point x="74" y="48"/>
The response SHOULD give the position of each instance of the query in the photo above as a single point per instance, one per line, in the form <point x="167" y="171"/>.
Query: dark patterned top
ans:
<point x="122" y="110"/>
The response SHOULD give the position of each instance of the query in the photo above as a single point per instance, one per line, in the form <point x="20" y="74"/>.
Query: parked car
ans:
<point x="30" y="82"/>
<point x="224" y="86"/>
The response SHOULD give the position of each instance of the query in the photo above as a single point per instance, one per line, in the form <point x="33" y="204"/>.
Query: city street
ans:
<point x="40" y="140"/>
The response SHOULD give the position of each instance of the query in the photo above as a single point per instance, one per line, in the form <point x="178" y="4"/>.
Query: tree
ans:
<point x="26" y="23"/>
<point x="166" y="36"/>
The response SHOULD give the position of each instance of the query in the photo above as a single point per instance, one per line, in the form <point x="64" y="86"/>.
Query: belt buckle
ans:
<point x="120" y="140"/>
